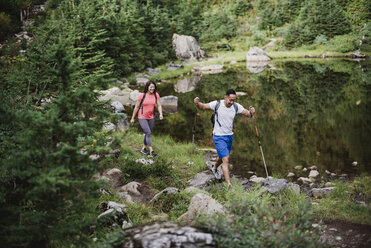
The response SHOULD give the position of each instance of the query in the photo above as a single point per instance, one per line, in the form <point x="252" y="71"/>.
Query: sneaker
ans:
<point x="144" y="151"/>
<point x="153" y="154"/>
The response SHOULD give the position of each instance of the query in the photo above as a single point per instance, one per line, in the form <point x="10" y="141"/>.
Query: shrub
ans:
<point x="218" y="25"/>
<point x="241" y="7"/>
<point x="320" y="39"/>
<point x="344" y="43"/>
<point x="365" y="36"/>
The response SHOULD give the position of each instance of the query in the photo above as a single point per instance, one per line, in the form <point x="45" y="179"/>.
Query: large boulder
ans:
<point x="187" y="47"/>
<point x="114" y="176"/>
<point x="274" y="185"/>
<point x="115" y="94"/>
<point x="114" y="214"/>
<point x="169" y="104"/>
<point x="167" y="234"/>
<point x="167" y="191"/>
<point x="187" y="84"/>
<point x="202" y="180"/>
<point x="203" y="204"/>
<point x="256" y="60"/>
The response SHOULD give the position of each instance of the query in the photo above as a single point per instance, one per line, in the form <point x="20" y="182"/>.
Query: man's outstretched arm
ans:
<point x="200" y="105"/>
<point x="250" y="112"/>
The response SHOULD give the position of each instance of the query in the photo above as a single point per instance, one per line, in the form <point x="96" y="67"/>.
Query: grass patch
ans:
<point x="173" y="204"/>
<point x="344" y="202"/>
<point x="261" y="220"/>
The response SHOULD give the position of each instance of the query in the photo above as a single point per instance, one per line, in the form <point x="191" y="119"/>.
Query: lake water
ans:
<point x="308" y="112"/>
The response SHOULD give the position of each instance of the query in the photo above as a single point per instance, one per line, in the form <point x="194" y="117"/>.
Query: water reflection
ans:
<point x="308" y="113"/>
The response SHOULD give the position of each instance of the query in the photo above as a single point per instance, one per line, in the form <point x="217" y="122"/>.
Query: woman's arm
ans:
<point x="159" y="108"/>
<point x="135" y="111"/>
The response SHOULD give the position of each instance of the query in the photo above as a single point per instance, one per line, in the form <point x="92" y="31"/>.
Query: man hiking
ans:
<point x="225" y="111"/>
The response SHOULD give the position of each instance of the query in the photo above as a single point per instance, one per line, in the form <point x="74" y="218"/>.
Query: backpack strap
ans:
<point x="218" y="105"/>
<point x="216" y="111"/>
<point x="141" y="102"/>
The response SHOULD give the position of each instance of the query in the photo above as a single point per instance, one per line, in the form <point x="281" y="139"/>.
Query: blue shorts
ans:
<point x="223" y="144"/>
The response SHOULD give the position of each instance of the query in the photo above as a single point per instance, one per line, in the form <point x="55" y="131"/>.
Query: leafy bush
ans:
<point x="365" y="37"/>
<point x="259" y="38"/>
<point x="241" y="7"/>
<point x="343" y="43"/>
<point x="320" y="40"/>
<point x="261" y="220"/>
<point x="218" y="25"/>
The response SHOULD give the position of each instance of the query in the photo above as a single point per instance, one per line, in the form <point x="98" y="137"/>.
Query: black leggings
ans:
<point x="147" y="126"/>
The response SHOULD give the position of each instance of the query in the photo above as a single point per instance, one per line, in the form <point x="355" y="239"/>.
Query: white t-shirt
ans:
<point x="225" y="117"/>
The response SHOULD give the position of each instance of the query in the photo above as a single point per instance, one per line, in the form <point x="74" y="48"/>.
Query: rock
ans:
<point x="144" y="161"/>
<point x="115" y="152"/>
<point x="313" y="174"/>
<point x="169" y="190"/>
<point x="357" y="54"/>
<point x="329" y="184"/>
<point x="202" y="204"/>
<point x="186" y="47"/>
<point x="172" y="67"/>
<point x="153" y="72"/>
<point x="122" y="123"/>
<point x="114" y="175"/>
<point x="115" y="214"/>
<point x="294" y="187"/>
<point x="320" y="192"/>
<point x="115" y="94"/>
<point x="338" y="238"/>
<point x="167" y="234"/>
<point x="327" y="172"/>
<point x="304" y="180"/>
<point x="187" y="84"/>
<point x="134" y="95"/>
<point x="256" y="60"/>
<point x="201" y="180"/>
<point x="274" y="185"/>
<point x="256" y="179"/>
<point x="355" y="163"/>
<point x="125" y="196"/>
<point x="117" y="107"/>
<point x="358" y="102"/>
<point x="255" y="66"/>
<point x="131" y="187"/>
<point x="305" y="169"/>
<point x="315" y="225"/>
<point x="94" y="156"/>
<point x="313" y="167"/>
<point x="169" y="104"/>
<point x="256" y="54"/>
<point x="108" y="126"/>
<point x="298" y="167"/>
<point x="333" y="174"/>
<point x="211" y="69"/>
<point x="290" y="174"/>
<point x="141" y="82"/>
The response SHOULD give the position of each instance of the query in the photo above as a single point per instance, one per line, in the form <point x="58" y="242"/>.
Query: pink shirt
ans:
<point x="148" y="106"/>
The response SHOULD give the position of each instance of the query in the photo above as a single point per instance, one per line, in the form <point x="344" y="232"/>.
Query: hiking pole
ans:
<point x="260" y="145"/>
<point x="193" y="135"/>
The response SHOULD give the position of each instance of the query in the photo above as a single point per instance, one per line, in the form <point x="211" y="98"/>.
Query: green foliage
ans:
<point x="365" y="37"/>
<point x="241" y="7"/>
<point x="218" y="25"/>
<point x="344" y="43"/>
<point x="344" y="204"/>
<point x="174" y="204"/>
<point x="262" y="220"/>
<point x="320" y="40"/>
<point x="358" y="12"/>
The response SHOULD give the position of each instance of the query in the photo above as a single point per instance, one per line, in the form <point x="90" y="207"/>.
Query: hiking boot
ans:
<point x="153" y="154"/>
<point x="144" y="151"/>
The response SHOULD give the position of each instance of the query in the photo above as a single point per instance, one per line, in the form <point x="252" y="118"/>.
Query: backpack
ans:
<point x="141" y="102"/>
<point x="215" y="114"/>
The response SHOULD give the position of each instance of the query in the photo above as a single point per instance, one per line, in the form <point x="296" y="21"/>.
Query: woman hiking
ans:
<point x="146" y="106"/>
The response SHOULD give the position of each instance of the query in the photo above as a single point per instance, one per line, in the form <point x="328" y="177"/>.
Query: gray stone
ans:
<point x="153" y="72"/>
<point x="290" y="174"/>
<point x="114" y="175"/>
<point x="294" y="187"/>
<point x="320" y="192"/>
<point x="313" y="173"/>
<point x="256" y="66"/>
<point x="166" y="235"/>
<point x="298" y="167"/>
<point x="304" y="180"/>
<point x="202" y="204"/>
<point x="187" y="84"/>
<point x="108" y="126"/>
<point x="141" y="82"/>
<point x="144" y="161"/>
<point x="114" y="214"/>
<point x="169" y="104"/>
<point x="187" y="47"/>
<point x="118" y="107"/>
<point x="131" y="188"/>
<point x="169" y="190"/>
<point x="201" y="180"/>
<point x="256" y="179"/>
<point x="313" y="167"/>
<point x="134" y="95"/>
<point x="211" y="69"/>
<point x="256" y="54"/>
<point x="274" y="185"/>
